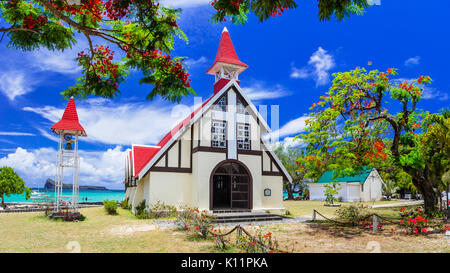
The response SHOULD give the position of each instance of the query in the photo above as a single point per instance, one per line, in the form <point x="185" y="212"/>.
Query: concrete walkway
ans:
<point x="399" y="204"/>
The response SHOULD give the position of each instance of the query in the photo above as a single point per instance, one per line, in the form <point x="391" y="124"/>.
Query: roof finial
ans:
<point x="224" y="30"/>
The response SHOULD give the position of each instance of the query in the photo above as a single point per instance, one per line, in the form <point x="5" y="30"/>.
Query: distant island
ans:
<point x="50" y="184"/>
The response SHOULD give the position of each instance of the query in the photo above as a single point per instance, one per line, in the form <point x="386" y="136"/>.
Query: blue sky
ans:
<point x="290" y="57"/>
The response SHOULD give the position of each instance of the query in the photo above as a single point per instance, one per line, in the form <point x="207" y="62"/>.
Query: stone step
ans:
<point x="243" y="215"/>
<point x="247" y="219"/>
<point x="231" y="211"/>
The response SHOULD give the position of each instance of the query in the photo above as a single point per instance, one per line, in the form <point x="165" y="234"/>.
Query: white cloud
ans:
<point x="15" y="134"/>
<point x="318" y="66"/>
<point x="185" y="3"/>
<point x="193" y="62"/>
<point x="55" y="61"/>
<point x="15" y="83"/>
<point x="432" y="93"/>
<point x="103" y="168"/>
<point x="260" y="91"/>
<point x="412" y="61"/>
<point x="119" y="124"/>
<point x="287" y="131"/>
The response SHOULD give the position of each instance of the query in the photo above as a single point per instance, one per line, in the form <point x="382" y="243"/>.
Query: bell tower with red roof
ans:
<point x="68" y="129"/>
<point x="227" y="65"/>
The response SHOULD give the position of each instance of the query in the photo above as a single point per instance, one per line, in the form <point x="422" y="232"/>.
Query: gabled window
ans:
<point x="218" y="131"/>
<point x="221" y="104"/>
<point x="240" y="107"/>
<point x="243" y="136"/>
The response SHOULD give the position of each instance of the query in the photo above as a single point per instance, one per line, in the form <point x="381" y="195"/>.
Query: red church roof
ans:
<point x="69" y="122"/>
<point x="141" y="155"/>
<point x="226" y="54"/>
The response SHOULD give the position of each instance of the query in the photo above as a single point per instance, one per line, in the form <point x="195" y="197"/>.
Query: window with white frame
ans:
<point x="221" y="104"/>
<point x="240" y="108"/>
<point x="243" y="136"/>
<point x="218" y="131"/>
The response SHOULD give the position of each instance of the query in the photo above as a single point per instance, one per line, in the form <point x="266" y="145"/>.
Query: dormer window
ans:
<point x="218" y="131"/>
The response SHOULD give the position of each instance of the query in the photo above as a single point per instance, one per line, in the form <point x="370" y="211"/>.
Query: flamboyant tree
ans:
<point x="361" y="113"/>
<point x="142" y="31"/>
<point x="238" y="10"/>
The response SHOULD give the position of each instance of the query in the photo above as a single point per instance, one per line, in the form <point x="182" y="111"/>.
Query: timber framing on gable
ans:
<point x="272" y="162"/>
<point x="177" y="169"/>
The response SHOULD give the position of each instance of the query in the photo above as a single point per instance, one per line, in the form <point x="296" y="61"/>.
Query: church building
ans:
<point x="216" y="158"/>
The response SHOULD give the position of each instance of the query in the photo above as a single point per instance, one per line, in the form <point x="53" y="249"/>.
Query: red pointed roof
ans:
<point x="141" y="154"/>
<point x="69" y="122"/>
<point x="226" y="54"/>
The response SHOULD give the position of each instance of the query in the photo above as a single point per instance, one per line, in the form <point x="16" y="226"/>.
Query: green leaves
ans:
<point x="11" y="183"/>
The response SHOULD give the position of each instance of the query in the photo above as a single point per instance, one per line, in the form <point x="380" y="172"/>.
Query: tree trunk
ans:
<point x="448" y="202"/>
<point x="290" y="193"/>
<point x="430" y="198"/>
<point x="3" y="201"/>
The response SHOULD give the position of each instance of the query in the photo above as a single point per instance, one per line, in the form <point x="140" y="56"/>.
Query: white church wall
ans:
<point x="204" y="163"/>
<point x="274" y="202"/>
<point x="173" y="156"/>
<point x="253" y="163"/>
<point x="161" y="162"/>
<point x="266" y="162"/>
<point x="171" y="188"/>
<point x="205" y="129"/>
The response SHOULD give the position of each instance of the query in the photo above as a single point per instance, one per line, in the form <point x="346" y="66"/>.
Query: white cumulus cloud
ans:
<point x="318" y="67"/>
<point x="14" y="83"/>
<point x="412" y="61"/>
<point x="104" y="168"/>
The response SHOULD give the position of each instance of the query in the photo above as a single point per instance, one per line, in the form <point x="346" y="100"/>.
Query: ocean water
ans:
<point x="91" y="195"/>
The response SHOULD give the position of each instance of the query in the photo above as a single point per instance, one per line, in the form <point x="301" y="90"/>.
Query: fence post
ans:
<point x="375" y="223"/>
<point x="238" y="234"/>
<point x="314" y="215"/>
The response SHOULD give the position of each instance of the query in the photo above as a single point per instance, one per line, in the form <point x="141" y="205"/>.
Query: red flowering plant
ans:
<point x="237" y="10"/>
<point x="258" y="243"/>
<point x="193" y="219"/>
<point x="414" y="221"/>
<point x="142" y="33"/>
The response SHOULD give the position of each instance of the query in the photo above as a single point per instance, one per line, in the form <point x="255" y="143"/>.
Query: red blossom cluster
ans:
<point x="102" y="64"/>
<point x="88" y="7"/>
<point x="114" y="11"/>
<point x="34" y="23"/>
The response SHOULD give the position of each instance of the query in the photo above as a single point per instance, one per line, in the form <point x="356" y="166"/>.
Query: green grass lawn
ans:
<point x="305" y="208"/>
<point x="33" y="232"/>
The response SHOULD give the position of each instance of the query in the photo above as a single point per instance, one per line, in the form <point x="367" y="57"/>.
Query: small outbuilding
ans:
<point x="363" y="187"/>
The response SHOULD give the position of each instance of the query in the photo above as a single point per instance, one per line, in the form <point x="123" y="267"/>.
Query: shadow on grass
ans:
<point x="215" y="249"/>
<point x="347" y="232"/>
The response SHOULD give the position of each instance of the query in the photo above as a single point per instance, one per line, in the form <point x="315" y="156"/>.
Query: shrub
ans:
<point x="415" y="221"/>
<point x="125" y="203"/>
<point x="159" y="210"/>
<point x="110" y="206"/>
<point x="259" y="243"/>
<point x="352" y="214"/>
<point x="141" y="210"/>
<point x="330" y="191"/>
<point x="195" y="220"/>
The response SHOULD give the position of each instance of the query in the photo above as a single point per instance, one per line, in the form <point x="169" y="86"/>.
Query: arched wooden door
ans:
<point x="230" y="186"/>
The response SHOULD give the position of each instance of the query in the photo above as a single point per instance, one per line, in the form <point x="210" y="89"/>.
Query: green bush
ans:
<point x="193" y="219"/>
<point x="352" y="214"/>
<point x="110" y="206"/>
<point x="125" y="203"/>
<point x="160" y="210"/>
<point x="141" y="211"/>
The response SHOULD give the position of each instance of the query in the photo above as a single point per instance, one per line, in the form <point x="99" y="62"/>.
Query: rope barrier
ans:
<point x="240" y="228"/>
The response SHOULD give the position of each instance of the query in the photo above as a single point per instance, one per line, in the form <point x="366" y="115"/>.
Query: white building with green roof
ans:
<point x="363" y="187"/>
